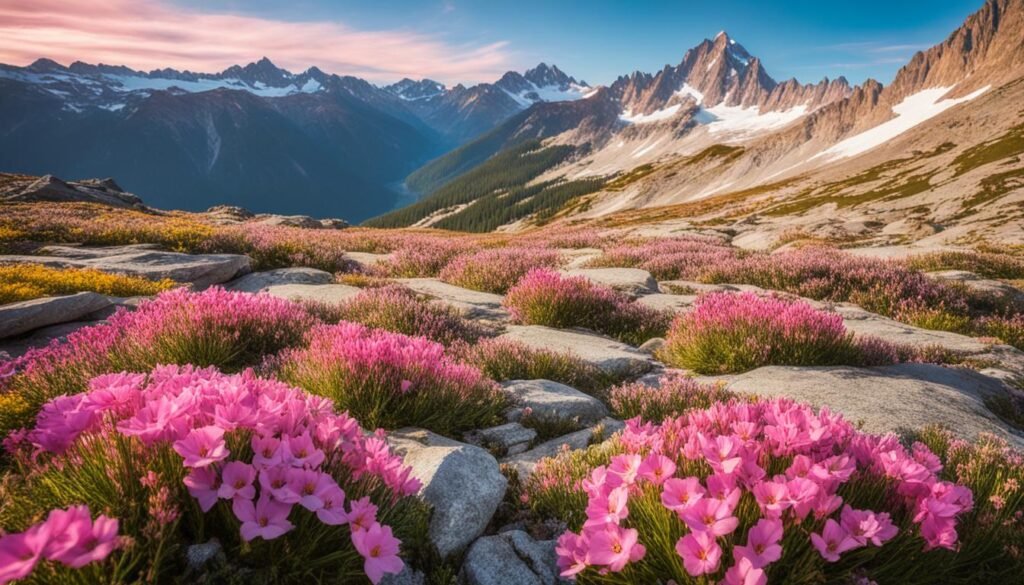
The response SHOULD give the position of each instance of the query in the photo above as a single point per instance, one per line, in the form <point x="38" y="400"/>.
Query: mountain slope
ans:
<point x="716" y="138"/>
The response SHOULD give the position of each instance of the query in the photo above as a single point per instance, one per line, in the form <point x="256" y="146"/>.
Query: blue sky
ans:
<point x="600" y="39"/>
<point x="472" y="41"/>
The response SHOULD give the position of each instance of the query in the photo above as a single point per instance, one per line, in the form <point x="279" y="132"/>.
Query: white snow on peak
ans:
<point x="551" y="93"/>
<point x="655" y="116"/>
<point x="311" y="86"/>
<point x="689" y="90"/>
<point x="737" y="120"/>
<point x="913" y="110"/>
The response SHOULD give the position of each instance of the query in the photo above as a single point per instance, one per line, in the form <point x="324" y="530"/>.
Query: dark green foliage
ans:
<point x="494" y="210"/>
<point x="509" y="169"/>
<point x="441" y="170"/>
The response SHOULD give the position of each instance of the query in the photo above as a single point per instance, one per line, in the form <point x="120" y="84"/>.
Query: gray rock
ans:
<point x="511" y="558"/>
<point x="510" y="438"/>
<point x="651" y="346"/>
<point x="663" y="302"/>
<point x="890" y="398"/>
<point x="321" y="293"/>
<point x="201" y="270"/>
<point x="995" y="288"/>
<point x="197" y="555"/>
<point x="366" y="259"/>
<point x="553" y="400"/>
<point x="473" y="304"/>
<point x="629" y="280"/>
<point x="461" y="482"/>
<point x="50" y="188"/>
<point x="18" y="318"/>
<point x="611" y="356"/>
<point x="579" y="257"/>
<point x="299" y="221"/>
<point x="861" y="322"/>
<point x="333" y="223"/>
<point x="524" y="463"/>
<point x="257" y="281"/>
<point x="229" y="214"/>
<point x="408" y="576"/>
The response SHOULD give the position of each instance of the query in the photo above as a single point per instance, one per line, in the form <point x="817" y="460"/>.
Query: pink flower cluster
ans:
<point x="736" y="443"/>
<point x="670" y="258"/>
<point x="497" y="270"/>
<point x="423" y="256"/>
<point x="70" y="537"/>
<point x="383" y="358"/>
<point x="545" y="297"/>
<point x="399" y="309"/>
<point x="272" y="321"/>
<point x="296" y="438"/>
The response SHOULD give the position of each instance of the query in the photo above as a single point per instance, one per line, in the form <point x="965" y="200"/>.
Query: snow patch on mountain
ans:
<point x="913" y="110"/>
<point x="746" y="121"/>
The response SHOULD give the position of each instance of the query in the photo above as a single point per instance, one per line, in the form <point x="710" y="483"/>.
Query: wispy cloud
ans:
<point x="148" y="34"/>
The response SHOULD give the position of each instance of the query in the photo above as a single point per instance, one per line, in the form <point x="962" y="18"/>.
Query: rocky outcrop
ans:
<point x="145" y="260"/>
<point x="524" y="463"/>
<point x="461" y="482"/>
<point x="50" y="188"/>
<point x="472" y="303"/>
<point x="258" y="281"/>
<point x="888" y="399"/>
<point x="611" y="356"/>
<point x="301" y="221"/>
<point x="628" y="280"/>
<point x="511" y="558"/>
<point x="18" y="318"/>
<point x="321" y="293"/>
<point x="551" y="400"/>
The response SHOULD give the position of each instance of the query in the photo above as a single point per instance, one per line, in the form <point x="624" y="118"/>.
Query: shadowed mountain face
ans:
<point x="257" y="136"/>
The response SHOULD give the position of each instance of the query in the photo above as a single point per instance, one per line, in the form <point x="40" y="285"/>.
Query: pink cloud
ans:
<point x="148" y="34"/>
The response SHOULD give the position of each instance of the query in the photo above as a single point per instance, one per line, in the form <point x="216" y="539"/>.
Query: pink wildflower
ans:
<point x="379" y="549"/>
<point x="700" y="553"/>
<point x="266" y="518"/>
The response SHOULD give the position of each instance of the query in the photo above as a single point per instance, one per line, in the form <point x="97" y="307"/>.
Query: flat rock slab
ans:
<point x="553" y="400"/>
<point x="509" y="439"/>
<point x="611" y="356"/>
<point x="473" y="303"/>
<point x="976" y="283"/>
<point x="319" y="293"/>
<point x="257" y="281"/>
<point x="887" y="399"/>
<point x="663" y="302"/>
<point x="861" y="322"/>
<point x="366" y="259"/>
<point x="461" y="482"/>
<point x="629" y="280"/>
<point x="579" y="257"/>
<point x="525" y="463"/>
<point x="19" y="318"/>
<point x="201" y="270"/>
<point x="511" y="558"/>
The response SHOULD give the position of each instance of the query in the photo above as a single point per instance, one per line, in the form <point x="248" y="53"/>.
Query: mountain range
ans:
<point x="257" y="136"/>
<point x="712" y="141"/>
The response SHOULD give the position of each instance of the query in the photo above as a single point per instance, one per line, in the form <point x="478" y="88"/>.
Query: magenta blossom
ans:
<point x="763" y="546"/>
<point x="700" y="553"/>
<point x="202" y="447"/>
<point x="379" y="549"/>
<point x="266" y="518"/>
<point x="614" y="547"/>
<point x="710" y="515"/>
<point x="833" y="541"/>
<point x="237" y="481"/>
